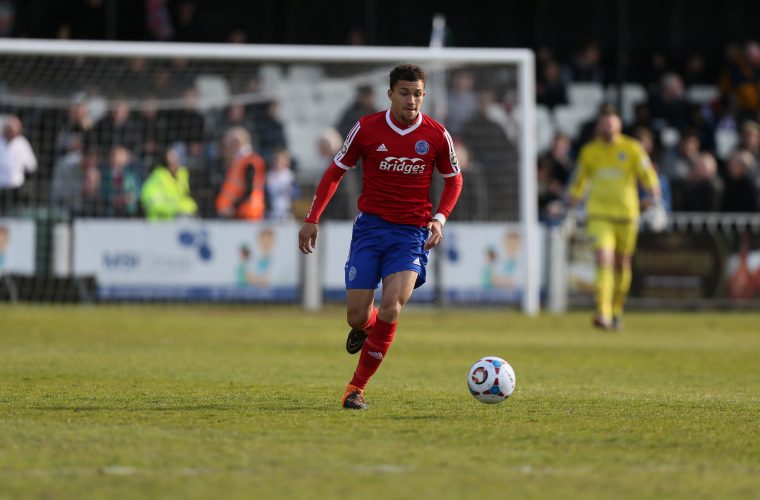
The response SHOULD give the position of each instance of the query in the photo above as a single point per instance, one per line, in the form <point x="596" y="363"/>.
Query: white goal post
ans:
<point x="521" y="59"/>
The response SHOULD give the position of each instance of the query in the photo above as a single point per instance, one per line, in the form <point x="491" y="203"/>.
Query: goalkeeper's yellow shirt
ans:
<point x="613" y="170"/>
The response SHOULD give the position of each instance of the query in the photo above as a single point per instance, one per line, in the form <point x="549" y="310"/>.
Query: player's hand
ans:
<point x="307" y="237"/>
<point x="436" y="234"/>
<point x="570" y="221"/>
<point x="655" y="217"/>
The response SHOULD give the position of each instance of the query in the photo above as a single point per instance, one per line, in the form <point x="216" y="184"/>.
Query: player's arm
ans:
<point x="448" y="167"/>
<point x="307" y="236"/>
<point x="344" y="161"/>
<point x="579" y="183"/>
<point x="647" y="176"/>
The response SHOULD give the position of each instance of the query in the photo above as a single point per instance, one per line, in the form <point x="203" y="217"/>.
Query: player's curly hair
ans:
<point x="407" y="72"/>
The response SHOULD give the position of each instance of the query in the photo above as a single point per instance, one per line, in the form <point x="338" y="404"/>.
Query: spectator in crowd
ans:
<point x="166" y="192"/>
<point x="485" y="138"/>
<point x="343" y="204"/>
<point x="554" y="170"/>
<point x="270" y="132"/>
<point x="669" y="105"/>
<point x="78" y="123"/>
<point x="646" y="138"/>
<point x="550" y="206"/>
<point x="741" y="193"/>
<point x="490" y="147"/>
<point x="585" y="65"/>
<point x="703" y="189"/>
<point x="68" y="179"/>
<point x="551" y="90"/>
<point x="237" y="115"/>
<point x="560" y="161"/>
<point x="473" y="201"/>
<point x="750" y="142"/>
<point x="462" y="101"/>
<point x="117" y="128"/>
<point x="701" y="122"/>
<point x="363" y="104"/>
<point x="120" y="184"/>
<point x="505" y="114"/>
<point x="85" y="20"/>
<point x="677" y="165"/>
<point x="153" y="127"/>
<point x="741" y="79"/>
<point x="17" y="162"/>
<point x="187" y="26"/>
<point x="158" y="20"/>
<point x="652" y="72"/>
<point x="187" y="125"/>
<point x="242" y="194"/>
<point x="281" y="187"/>
<point x="91" y="183"/>
<point x="7" y="15"/>
<point x="695" y="71"/>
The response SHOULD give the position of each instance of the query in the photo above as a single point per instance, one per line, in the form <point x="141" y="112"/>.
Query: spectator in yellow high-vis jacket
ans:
<point x="166" y="192"/>
<point x="610" y="169"/>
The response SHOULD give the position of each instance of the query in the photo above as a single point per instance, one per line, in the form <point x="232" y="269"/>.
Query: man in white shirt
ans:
<point x="16" y="161"/>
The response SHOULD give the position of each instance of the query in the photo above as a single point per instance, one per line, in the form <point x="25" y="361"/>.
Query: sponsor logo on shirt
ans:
<point x="403" y="165"/>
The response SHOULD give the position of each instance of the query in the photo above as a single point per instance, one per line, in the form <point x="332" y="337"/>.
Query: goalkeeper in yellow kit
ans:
<point x="610" y="169"/>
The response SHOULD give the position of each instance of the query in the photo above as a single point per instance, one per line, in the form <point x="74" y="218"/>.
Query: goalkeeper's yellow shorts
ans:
<point x="618" y="236"/>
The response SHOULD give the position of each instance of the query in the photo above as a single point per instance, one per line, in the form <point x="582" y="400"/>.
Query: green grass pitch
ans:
<point x="243" y="402"/>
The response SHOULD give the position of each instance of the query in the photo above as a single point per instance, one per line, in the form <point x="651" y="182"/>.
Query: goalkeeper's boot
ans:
<point x="353" y="399"/>
<point x="602" y="323"/>
<point x="355" y="340"/>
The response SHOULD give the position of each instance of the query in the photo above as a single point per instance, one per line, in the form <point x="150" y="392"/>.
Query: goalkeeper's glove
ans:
<point x="655" y="217"/>
<point x="570" y="221"/>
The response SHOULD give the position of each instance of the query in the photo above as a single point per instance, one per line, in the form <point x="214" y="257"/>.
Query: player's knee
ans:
<point x="357" y="318"/>
<point x="390" y="312"/>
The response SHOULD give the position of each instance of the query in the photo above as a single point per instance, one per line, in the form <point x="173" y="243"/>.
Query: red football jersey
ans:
<point x="398" y="165"/>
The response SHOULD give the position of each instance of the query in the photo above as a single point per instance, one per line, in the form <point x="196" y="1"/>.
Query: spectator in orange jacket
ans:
<point x="242" y="193"/>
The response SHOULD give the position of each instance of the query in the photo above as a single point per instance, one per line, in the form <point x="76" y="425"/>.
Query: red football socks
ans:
<point x="373" y="352"/>
<point x="371" y="321"/>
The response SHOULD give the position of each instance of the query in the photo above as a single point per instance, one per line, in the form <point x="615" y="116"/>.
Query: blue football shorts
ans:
<point x="380" y="248"/>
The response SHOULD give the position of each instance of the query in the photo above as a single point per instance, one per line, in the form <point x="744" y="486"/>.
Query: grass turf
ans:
<point x="201" y="402"/>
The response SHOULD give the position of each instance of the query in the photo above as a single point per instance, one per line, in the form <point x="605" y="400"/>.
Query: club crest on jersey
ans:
<point x="422" y="147"/>
<point x="621" y="156"/>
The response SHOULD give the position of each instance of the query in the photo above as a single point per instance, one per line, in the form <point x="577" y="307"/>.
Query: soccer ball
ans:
<point x="491" y="380"/>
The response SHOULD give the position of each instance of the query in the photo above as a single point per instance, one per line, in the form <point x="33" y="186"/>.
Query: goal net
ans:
<point x="100" y="117"/>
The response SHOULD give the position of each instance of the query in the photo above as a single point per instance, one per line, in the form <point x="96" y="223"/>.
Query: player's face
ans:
<point x="406" y="100"/>
<point x="609" y="127"/>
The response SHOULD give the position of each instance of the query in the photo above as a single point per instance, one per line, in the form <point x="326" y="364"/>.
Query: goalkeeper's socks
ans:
<point x="604" y="291"/>
<point x="373" y="352"/>
<point x="622" y="285"/>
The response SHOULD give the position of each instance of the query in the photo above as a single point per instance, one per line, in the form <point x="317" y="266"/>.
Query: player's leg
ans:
<point x="625" y="245"/>
<point x="397" y="288"/>
<point x="362" y="275"/>
<point x="361" y="315"/>
<point x="402" y="267"/>
<point x="603" y="239"/>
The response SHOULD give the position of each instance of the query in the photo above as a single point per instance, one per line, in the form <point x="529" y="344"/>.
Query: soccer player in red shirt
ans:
<point x="395" y="227"/>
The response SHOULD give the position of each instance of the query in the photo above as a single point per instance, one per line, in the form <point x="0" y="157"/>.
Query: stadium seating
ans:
<point x="585" y="95"/>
